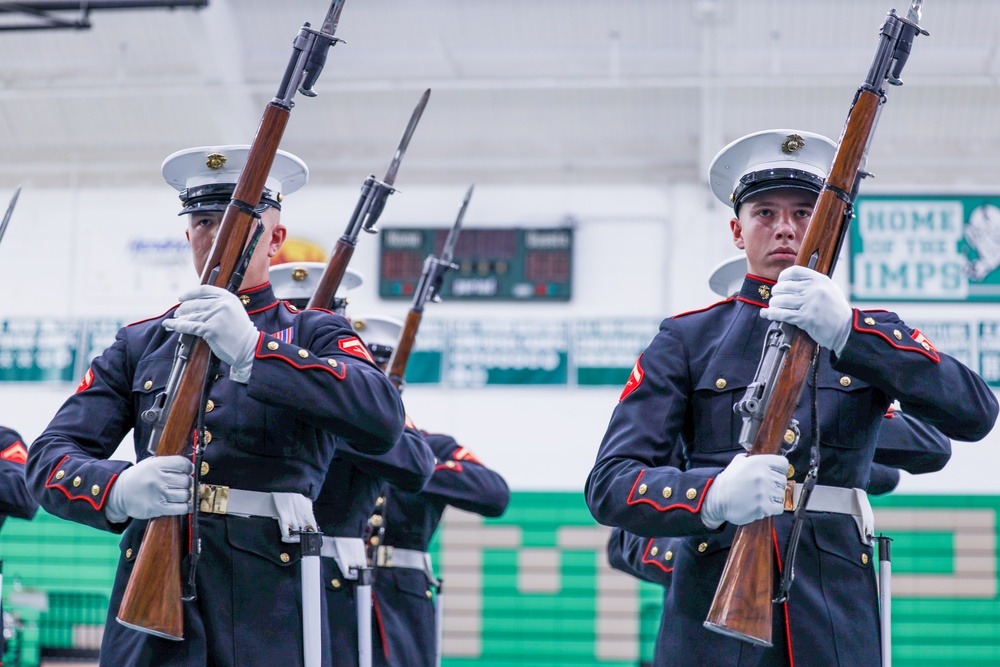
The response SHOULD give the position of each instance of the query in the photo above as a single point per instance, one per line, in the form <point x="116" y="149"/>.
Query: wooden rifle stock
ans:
<point x="334" y="272"/>
<point x="743" y="600"/>
<point x="152" y="600"/>
<point x="401" y="354"/>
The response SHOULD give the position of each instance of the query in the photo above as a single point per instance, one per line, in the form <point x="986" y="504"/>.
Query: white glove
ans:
<point x="814" y="303"/>
<point x="750" y="488"/>
<point x="295" y="512"/>
<point x="217" y="315"/>
<point x="155" y="486"/>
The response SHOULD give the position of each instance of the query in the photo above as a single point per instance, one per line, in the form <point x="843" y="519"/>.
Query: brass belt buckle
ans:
<point x="212" y="499"/>
<point x="790" y="496"/>
<point x="384" y="558"/>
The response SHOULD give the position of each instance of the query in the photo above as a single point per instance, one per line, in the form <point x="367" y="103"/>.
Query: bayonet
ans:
<point x="371" y="203"/>
<point x="428" y="289"/>
<point x="448" y="252"/>
<point x="418" y="111"/>
<point x="10" y="211"/>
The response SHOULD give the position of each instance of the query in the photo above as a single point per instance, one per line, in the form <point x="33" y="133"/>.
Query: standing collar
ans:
<point x="257" y="298"/>
<point x="756" y="290"/>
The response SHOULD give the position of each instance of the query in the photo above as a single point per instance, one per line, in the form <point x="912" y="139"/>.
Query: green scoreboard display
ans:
<point x="511" y="264"/>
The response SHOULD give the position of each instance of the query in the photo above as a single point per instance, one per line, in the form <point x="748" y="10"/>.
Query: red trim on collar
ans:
<point x="261" y="310"/>
<point x="762" y="280"/>
<point x="654" y="561"/>
<point x="256" y="288"/>
<point x="701" y="310"/>
<point x="695" y="509"/>
<point x="754" y="303"/>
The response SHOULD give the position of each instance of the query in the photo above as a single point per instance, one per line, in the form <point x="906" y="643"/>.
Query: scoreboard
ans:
<point x="511" y="264"/>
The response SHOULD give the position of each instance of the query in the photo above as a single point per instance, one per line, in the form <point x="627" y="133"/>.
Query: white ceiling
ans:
<point x="586" y="91"/>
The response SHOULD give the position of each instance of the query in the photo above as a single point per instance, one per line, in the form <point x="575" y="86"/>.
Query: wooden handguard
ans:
<point x="401" y="355"/>
<point x="332" y="275"/>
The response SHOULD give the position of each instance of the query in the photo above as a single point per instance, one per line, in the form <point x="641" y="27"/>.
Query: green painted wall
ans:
<point x="532" y="588"/>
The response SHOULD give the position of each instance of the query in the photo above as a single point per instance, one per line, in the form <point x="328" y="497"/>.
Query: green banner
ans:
<point x="926" y="248"/>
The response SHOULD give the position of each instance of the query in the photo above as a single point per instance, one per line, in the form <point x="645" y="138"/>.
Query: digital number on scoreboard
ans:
<point x="511" y="264"/>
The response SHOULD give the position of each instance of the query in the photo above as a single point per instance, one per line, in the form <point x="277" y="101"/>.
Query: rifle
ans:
<point x="742" y="604"/>
<point x="428" y="289"/>
<point x="10" y="211"/>
<point x="374" y="194"/>
<point x="153" y="600"/>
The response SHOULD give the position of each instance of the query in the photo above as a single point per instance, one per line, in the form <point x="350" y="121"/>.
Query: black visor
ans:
<point x="775" y="179"/>
<point x="216" y="197"/>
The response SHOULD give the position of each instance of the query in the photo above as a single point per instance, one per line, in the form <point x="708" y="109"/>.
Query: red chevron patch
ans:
<point x="16" y="453"/>
<point x="634" y="380"/>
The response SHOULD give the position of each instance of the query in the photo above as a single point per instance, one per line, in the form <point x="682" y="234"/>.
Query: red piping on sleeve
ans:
<point x="694" y="509"/>
<point x="329" y="369"/>
<point x="95" y="505"/>
<point x="654" y="561"/>
<point x="933" y="357"/>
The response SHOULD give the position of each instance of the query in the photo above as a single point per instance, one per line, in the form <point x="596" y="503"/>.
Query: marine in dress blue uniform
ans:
<point x="670" y="463"/>
<point x="288" y="383"/>
<point x="904" y="444"/>
<point x="350" y="495"/>
<point x="404" y="593"/>
<point x="15" y="500"/>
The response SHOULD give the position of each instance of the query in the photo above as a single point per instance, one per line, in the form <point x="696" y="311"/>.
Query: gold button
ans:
<point x="273" y="345"/>
<point x="60" y="474"/>
<point x="869" y="321"/>
<point x="791" y="471"/>
<point x="898" y="334"/>
<point x="720" y="383"/>
<point x="450" y="464"/>
<point x="148" y="384"/>
<point x="668" y="556"/>
<point x="691" y="493"/>
<point x="77" y="481"/>
<point x="375" y="520"/>
<point x="373" y="541"/>
<point x="429" y="594"/>
<point x="642" y="489"/>
<point x="864" y="559"/>
<point x="667" y="492"/>
<point x="204" y="468"/>
<point x="332" y="362"/>
<point x="210" y="405"/>
<point x="379" y="501"/>
<point x="789" y="436"/>
<point x="245" y="299"/>
<point x="654" y="551"/>
<point x="208" y="437"/>
<point x="128" y="552"/>
<point x="335" y="583"/>
<point x="702" y="547"/>
<point x="845" y="381"/>
<point x="94" y="490"/>
<point x="303" y="353"/>
<point x="284" y="557"/>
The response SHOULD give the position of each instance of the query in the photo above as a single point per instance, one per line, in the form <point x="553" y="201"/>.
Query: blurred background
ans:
<point x="587" y="127"/>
